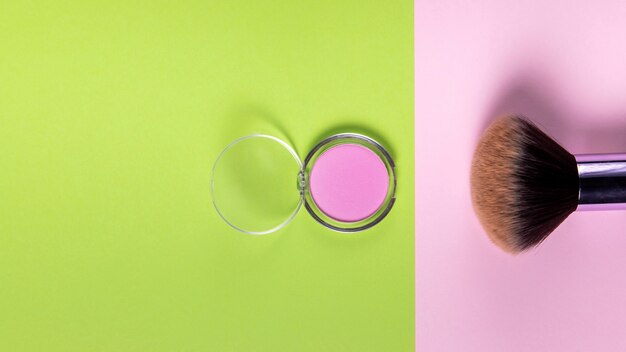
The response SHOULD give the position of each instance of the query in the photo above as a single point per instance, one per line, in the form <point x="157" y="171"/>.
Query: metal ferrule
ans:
<point x="602" y="181"/>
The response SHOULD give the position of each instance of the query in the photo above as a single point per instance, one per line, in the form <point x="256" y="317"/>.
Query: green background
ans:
<point x="111" y="115"/>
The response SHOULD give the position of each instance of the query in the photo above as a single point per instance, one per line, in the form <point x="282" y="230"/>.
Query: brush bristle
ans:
<point x="523" y="183"/>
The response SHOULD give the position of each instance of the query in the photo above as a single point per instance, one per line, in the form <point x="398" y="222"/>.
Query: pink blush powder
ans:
<point x="349" y="182"/>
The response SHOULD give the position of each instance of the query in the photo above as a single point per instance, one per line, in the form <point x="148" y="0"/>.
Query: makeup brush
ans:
<point x="524" y="184"/>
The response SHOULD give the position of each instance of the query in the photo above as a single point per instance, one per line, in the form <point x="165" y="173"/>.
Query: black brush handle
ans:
<point x="602" y="181"/>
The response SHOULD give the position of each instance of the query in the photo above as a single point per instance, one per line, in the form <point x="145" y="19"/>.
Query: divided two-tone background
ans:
<point x="112" y="113"/>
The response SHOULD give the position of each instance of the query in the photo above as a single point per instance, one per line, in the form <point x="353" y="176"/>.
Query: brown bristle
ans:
<point x="523" y="183"/>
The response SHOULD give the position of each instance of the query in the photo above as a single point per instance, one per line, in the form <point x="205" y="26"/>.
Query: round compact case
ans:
<point x="347" y="183"/>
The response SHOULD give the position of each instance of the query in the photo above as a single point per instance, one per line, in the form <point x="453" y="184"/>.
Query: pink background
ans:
<point x="562" y="63"/>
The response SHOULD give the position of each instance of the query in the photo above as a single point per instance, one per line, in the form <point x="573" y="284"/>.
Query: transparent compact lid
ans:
<point x="255" y="185"/>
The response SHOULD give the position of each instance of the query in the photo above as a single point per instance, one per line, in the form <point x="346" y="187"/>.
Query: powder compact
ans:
<point x="347" y="183"/>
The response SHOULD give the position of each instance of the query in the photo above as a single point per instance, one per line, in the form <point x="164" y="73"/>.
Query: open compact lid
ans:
<point x="255" y="184"/>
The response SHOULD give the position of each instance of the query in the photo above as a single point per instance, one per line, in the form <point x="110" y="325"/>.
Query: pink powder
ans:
<point x="349" y="182"/>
